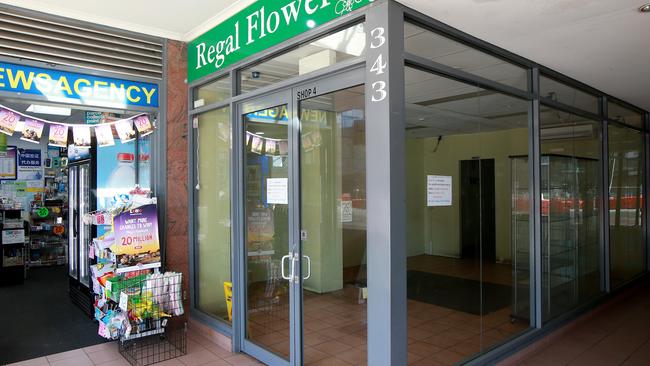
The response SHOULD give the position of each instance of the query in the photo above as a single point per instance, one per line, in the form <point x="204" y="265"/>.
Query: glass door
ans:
<point x="333" y="226"/>
<point x="303" y="224"/>
<point x="73" y="253"/>
<point x="269" y="245"/>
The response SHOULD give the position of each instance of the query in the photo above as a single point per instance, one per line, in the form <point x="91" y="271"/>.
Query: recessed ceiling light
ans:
<point x="645" y="8"/>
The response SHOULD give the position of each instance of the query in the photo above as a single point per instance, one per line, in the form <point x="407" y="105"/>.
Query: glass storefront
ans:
<point x="507" y="168"/>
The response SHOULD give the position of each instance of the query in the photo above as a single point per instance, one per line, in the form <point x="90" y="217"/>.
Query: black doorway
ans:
<point x="477" y="209"/>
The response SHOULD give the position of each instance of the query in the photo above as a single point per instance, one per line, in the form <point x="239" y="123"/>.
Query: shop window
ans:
<point x="440" y="49"/>
<point x="212" y="189"/>
<point x="321" y="53"/>
<point x="571" y="211"/>
<point x="626" y="181"/>
<point x="619" y="113"/>
<point x="563" y="93"/>
<point x="213" y="92"/>
<point x="468" y="217"/>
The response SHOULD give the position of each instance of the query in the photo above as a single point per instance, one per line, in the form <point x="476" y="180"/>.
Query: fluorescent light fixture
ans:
<point x="45" y="109"/>
<point x="19" y="126"/>
<point x="259" y="133"/>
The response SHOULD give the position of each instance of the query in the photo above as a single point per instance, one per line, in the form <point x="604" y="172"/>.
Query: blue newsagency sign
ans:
<point x="61" y="86"/>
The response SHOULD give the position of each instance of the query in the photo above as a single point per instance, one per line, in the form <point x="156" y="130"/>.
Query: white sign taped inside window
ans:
<point x="438" y="190"/>
<point x="277" y="191"/>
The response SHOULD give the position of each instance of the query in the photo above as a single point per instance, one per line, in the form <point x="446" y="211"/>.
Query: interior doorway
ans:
<point x="477" y="209"/>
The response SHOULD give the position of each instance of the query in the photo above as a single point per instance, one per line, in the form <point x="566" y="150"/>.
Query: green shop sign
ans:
<point x="262" y="25"/>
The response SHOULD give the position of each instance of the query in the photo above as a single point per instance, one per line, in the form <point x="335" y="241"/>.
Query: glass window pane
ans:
<point x="321" y="53"/>
<point x="625" y="115"/>
<point x="212" y="253"/>
<point x="571" y="212"/>
<point x="213" y="92"/>
<point x="626" y="180"/>
<point x="566" y="94"/>
<point x="333" y="211"/>
<point x="438" y="48"/>
<point x="468" y="267"/>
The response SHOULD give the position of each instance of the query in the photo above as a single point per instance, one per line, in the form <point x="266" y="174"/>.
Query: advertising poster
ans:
<point x="81" y="136"/>
<point x="8" y="164"/>
<point x="32" y="131"/>
<point x="125" y="130"/>
<point x="143" y="124"/>
<point x="136" y="238"/>
<point x="260" y="225"/>
<point x="8" y="121"/>
<point x="104" y="135"/>
<point x="30" y="166"/>
<point x="58" y="135"/>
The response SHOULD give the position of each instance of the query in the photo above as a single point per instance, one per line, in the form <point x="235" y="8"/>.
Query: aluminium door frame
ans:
<point x="326" y="84"/>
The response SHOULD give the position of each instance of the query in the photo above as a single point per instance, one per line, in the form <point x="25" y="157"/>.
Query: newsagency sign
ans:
<point x="69" y="87"/>
<point x="263" y="24"/>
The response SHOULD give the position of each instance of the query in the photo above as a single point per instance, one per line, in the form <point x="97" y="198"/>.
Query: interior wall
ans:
<point x="436" y="230"/>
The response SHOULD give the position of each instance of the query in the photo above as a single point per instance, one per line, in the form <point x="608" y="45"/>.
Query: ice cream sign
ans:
<point x="263" y="24"/>
<point x="67" y="87"/>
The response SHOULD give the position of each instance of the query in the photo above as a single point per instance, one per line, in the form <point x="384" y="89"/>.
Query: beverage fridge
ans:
<point x="81" y="200"/>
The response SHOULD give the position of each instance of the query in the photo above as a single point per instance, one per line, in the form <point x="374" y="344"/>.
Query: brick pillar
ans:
<point x="177" y="255"/>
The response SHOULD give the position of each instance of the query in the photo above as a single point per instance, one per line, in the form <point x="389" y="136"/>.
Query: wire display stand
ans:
<point x="155" y="346"/>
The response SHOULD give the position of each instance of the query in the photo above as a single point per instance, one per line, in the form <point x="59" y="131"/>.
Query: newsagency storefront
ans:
<point x="80" y="145"/>
<point x="370" y="186"/>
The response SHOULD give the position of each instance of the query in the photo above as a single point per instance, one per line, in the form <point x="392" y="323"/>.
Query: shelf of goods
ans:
<point x="48" y="242"/>
<point x="12" y="247"/>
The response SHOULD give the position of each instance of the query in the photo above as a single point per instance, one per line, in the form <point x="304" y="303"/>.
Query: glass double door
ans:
<point x="303" y="221"/>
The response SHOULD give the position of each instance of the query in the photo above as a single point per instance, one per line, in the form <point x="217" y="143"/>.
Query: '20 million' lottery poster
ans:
<point x="136" y="238"/>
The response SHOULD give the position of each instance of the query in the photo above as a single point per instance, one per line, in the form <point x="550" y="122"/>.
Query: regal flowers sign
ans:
<point x="263" y="24"/>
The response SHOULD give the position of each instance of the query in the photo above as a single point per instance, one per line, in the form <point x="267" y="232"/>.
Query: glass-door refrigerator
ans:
<point x="81" y="201"/>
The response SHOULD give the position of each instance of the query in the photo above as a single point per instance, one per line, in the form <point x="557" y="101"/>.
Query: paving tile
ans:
<point x="104" y="356"/>
<point x="197" y="358"/>
<point x="241" y="360"/>
<point x="82" y="360"/>
<point x="65" y="355"/>
<point x="332" y="347"/>
<point x="41" y="361"/>
<point x="118" y="362"/>
<point x="101" y="347"/>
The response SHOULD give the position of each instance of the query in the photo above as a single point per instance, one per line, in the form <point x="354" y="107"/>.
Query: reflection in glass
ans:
<point x="467" y="242"/>
<point x="443" y="50"/>
<point x="626" y="172"/>
<point x="212" y="254"/>
<point x="266" y="162"/>
<point x="570" y="188"/>
<point x="563" y="93"/>
<point x="625" y="115"/>
<point x="327" y="51"/>
<point x="333" y="219"/>
<point x="213" y="92"/>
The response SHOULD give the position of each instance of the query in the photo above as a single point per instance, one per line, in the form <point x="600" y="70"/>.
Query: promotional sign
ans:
<point x="81" y="136"/>
<point x="125" y="130"/>
<point x="58" y="135"/>
<point x="74" y="87"/>
<point x="32" y="131"/>
<point x="104" y="135"/>
<point x="438" y="190"/>
<point x="277" y="191"/>
<point x="94" y="118"/>
<point x="136" y="237"/>
<point x="263" y="24"/>
<point x="30" y="168"/>
<point x="143" y="125"/>
<point x="8" y="121"/>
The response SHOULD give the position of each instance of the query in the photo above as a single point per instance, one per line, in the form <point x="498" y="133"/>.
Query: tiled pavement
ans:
<point x="200" y="352"/>
<point x="616" y="333"/>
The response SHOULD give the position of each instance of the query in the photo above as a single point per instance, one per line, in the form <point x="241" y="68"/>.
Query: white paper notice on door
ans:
<point x="277" y="191"/>
<point x="438" y="190"/>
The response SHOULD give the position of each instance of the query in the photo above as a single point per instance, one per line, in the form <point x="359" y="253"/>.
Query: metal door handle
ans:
<point x="308" y="267"/>
<point x="284" y="276"/>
